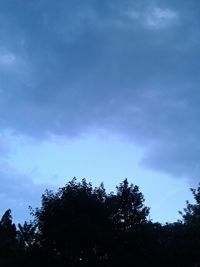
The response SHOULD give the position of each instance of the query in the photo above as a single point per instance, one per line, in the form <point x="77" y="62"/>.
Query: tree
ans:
<point x="27" y="235"/>
<point x="191" y="214"/>
<point x="127" y="206"/>
<point x="8" y="240"/>
<point x="191" y="221"/>
<point x="71" y="222"/>
<point x="7" y="230"/>
<point x="80" y="224"/>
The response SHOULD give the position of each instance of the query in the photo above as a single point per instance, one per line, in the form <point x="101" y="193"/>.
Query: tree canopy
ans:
<point x="82" y="225"/>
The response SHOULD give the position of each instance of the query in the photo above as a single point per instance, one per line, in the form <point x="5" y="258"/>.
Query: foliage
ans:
<point x="71" y="222"/>
<point x="7" y="230"/>
<point x="191" y="214"/>
<point x="81" y="226"/>
<point x="27" y="235"/>
<point x="128" y="206"/>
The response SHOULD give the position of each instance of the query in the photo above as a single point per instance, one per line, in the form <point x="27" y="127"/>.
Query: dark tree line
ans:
<point x="84" y="226"/>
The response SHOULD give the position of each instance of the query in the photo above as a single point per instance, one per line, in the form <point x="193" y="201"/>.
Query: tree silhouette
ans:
<point x="81" y="226"/>
<point x="8" y="240"/>
<point x="27" y="235"/>
<point x="191" y="214"/>
<point x="128" y="206"/>
<point x="7" y="230"/>
<point x="71" y="222"/>
<point x="191" y="220"/>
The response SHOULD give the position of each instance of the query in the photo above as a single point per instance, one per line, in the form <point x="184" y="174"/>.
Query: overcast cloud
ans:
<point x="128" y="67"/>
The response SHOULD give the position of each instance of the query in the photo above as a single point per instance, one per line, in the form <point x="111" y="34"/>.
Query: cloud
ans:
<point x="7" y="59"/>
<point x="153" y="17"/>
<point x="159" y="18"/>
<point x="4" y="147"/>
<point x="120" y="67"/>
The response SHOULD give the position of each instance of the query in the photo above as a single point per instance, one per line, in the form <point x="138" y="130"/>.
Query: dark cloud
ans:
<point x="70" y="66"/>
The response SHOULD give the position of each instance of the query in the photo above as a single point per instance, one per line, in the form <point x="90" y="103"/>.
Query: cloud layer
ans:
<point x="69" y="67"/>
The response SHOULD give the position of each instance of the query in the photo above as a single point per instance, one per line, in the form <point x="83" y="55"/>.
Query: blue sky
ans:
<point x="101" y="90"/>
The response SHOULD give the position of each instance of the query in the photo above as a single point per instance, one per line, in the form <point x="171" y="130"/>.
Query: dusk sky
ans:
<point x="102" y="90"/>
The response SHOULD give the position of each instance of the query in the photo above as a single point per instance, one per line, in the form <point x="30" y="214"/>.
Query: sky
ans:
<point x="100" y="90"/>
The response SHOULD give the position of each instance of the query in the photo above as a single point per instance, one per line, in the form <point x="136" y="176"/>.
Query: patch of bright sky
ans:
<point x="159" y="18"/>
<point x="109" y="159"/>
